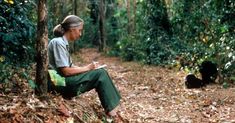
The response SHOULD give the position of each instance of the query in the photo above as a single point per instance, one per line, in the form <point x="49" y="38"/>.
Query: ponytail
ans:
<point x="58" y="31"/>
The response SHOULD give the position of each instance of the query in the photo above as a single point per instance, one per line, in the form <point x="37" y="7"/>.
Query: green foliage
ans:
<point x="188" y="32"/>
<point x="129" y="48"/>
<point x="25" y="74"/>
<point x="207" y="26"/>
<point x="90" y="35"/>
<point x="225" y="85"/>
<point x="152" y="42"/>
<point x="5" y="72"/>
<point x="14" y="75"/>
<point x="32" y="84"/>
<point x="16" y="31"/>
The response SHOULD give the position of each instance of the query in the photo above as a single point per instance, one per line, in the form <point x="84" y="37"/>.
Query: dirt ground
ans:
<point x="150" y="94"/>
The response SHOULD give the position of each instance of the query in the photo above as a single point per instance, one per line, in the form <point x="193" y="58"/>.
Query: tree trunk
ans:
<point x="75" y="13"/>
<point x="166" y="22"/>
<point x="102" y="41"/>
<point x="42" y="42"/>
<point x="134" y="19"/>
<point x="128" y="16"/>
<point x="75" y="7"/>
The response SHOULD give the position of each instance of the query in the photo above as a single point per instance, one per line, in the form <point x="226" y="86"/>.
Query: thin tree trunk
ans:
<point x="102" y="26"/>
<point x="134" y="19"/>
<point x="128" y="16"/>
<point x="62" y="10"/>
<point x="75" y="7"/>
<point x="75" y="13"/>
<point x="42" y="42"/>
<point x="166" y="23"/>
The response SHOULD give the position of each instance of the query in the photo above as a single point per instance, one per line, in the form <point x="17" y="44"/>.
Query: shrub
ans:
<point x="16" y="31"/>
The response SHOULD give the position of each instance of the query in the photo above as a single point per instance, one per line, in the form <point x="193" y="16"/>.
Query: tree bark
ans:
<point x="75" y="7"/>
<point x="134" y="19"/>
<point x="62" y="10"/>
<point x="42" y="56"/>
<point x="75" y="13"/>
<point x="166" y="22"/>
<point x="128" y="16"/>
<point x="102" y="41"/>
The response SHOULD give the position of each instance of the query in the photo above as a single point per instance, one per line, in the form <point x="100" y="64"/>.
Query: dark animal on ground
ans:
<point x="191" y="81"/>
<point x="208" y="72"/>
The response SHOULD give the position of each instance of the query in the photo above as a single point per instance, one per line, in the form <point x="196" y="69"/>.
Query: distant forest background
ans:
<point x="173" y="33"/>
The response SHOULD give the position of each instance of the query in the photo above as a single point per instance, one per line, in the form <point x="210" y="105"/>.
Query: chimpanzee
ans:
<point x="191" y="81"/>
<point x="208" y="71"/>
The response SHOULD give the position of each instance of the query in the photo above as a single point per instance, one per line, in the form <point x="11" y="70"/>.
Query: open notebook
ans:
<point x="102" y="66"/>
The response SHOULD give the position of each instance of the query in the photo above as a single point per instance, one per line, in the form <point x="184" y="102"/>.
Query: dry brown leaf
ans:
<point x="150" y="94"/>
<point x="64" y="110"/>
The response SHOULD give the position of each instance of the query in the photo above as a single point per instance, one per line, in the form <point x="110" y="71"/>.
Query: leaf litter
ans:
<point x="150" y="94"/>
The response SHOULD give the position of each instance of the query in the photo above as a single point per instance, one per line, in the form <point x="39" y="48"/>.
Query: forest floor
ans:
<point x="150" y="94"/>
